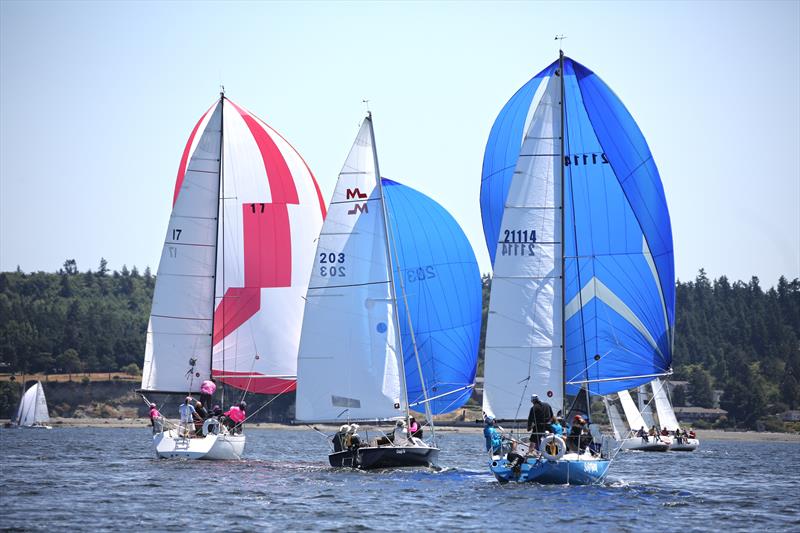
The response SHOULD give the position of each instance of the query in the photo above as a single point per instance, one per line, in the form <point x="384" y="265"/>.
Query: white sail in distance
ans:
<point x="666" y="415"/>
<point x="33" y="407"/>
<point x="349" y="360"/>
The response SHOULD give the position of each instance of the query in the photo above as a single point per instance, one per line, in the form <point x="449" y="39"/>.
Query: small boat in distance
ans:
<point x="681" y="442"/>
<point x="375" y="322"/>
<point x="627" y="435"/>
<point x="234" y="267"/>
<point x="32" y="412"/>
<point x="582" y="297"/>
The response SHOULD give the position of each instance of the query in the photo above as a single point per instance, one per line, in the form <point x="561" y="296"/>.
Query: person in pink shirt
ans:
<point x="155" y="418"/>
<point x="235" y="416"/>
<point x="207" y="390"/>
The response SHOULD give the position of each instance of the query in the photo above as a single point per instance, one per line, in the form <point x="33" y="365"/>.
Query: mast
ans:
<point x="563" y="260"/>
<point x="398" y="337"/>
<point x="220" y="220"/>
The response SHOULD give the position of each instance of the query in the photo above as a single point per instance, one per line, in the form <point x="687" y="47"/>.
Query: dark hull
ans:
<point x="369" y="458"/>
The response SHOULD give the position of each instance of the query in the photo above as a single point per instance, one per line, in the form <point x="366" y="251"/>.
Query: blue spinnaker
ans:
<point x="619" y="288"/>
<point x="442" y="286"/>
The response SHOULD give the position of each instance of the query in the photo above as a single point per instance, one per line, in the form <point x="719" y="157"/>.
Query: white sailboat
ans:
<point x="233" y="270"/>
<point x="32" y="412"/>
<point x="350" y="363"/>
<point x="625" y="431"/>
<point x="667" y="419"/>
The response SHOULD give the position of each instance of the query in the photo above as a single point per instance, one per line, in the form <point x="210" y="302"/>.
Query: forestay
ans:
<point x="348" y="364"/>
<point x="618" y="425"/>
<point x="645" y="405"/>
<point x="523" y="337"/>
<point x="437" y="275"/>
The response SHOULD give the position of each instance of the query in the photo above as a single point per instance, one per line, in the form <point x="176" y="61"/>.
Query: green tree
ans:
<point x="132" y="369"/>
<point x="700" y="388"/>
<point x="679" y="396"/>
<point x="69" y="362"/>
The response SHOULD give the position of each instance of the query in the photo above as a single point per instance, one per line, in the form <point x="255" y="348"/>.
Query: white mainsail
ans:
<point x="666" y="416"/>
<point x="632" y="414"/>
<point x="33" y="407"/>
<point x="348" y="363"/>
<point x="524" y="331"/>
<point x="178" y="350"/>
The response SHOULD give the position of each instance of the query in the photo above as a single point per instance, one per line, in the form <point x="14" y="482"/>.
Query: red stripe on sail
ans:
<point x="185" y="158"/>
<point x="321" y="201"/>
<point x="255" y="382"/>
<point x="281" y="182"/>
<point x="236" y="307"/>
<point x="267" y="245"/>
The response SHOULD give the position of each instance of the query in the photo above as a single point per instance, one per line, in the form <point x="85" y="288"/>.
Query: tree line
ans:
<point x="729" y="336"/>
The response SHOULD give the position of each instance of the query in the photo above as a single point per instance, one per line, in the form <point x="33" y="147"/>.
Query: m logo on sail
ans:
<point x="355" y="193"/>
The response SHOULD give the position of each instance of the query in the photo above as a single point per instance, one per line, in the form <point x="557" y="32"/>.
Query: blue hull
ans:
<point x="569" y="472"/>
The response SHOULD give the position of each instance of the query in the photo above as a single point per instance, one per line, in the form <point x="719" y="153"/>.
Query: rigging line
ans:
<point x="291" y="384"/>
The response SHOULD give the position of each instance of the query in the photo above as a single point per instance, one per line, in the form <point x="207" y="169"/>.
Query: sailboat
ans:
<point x="228" y="300"/>
<point x="626" y="433"/>
<point x="32" y="412"/>
<point x="666" y="418"/>
<point x="577" y="227"/>
<point x="376" y="340"/>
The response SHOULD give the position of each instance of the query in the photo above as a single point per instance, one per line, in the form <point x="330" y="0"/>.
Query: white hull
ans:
<point x="651" y="445"/>
<point x="688" y="445"/>
<point x="170" y="445"/>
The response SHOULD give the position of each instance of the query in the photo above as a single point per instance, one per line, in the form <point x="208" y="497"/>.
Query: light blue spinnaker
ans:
<point x="442" y="286"/>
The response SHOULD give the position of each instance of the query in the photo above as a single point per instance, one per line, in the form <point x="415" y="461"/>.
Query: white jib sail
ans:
<point x="178" y="351"/>
<point x="523" y="337"/>
<point x="645" y="407"/>
<point x="635" y="420"/>
<point x="348" y="365"/>
<point x="33" y="407"/>
<point x="666" y="416"/>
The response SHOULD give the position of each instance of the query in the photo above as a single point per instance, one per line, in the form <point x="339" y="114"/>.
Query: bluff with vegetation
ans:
<point x="735" y="337"/>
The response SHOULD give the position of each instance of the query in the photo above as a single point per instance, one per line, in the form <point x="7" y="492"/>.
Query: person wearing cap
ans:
<point x="352" y="440"/>
<point x="400" y="433"/>
<point x="187" y="413"/>
<point x="494" y="439"/>
<point x="338" y="438"/>
<point x="155" y="419"/>
<point x="538" y="419"/>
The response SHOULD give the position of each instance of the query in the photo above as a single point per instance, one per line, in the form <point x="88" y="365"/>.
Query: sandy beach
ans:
<point x="707" y="434"/>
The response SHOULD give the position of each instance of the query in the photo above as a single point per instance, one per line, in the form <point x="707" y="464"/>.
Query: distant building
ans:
<point x="690" y="414"/>
<point x="790" y="416"/>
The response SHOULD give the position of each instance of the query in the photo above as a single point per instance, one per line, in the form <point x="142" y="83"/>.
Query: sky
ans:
<point x="97" y="100"/>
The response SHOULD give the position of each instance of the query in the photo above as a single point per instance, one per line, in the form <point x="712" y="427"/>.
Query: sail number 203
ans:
<point x="332" y="265"/>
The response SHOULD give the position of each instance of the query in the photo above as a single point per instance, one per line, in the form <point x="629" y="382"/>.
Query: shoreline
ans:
<point x="115" y="423"/>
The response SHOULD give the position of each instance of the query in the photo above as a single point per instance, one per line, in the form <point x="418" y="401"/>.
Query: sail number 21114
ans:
<point x="518" y="242"/>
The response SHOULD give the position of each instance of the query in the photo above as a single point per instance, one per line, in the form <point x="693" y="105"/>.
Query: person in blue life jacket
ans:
<point x="494" y="439"/>
<point x="556" y="428"/>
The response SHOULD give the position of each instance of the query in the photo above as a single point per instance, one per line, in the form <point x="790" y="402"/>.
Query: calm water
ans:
<point x="107" y="479"/>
